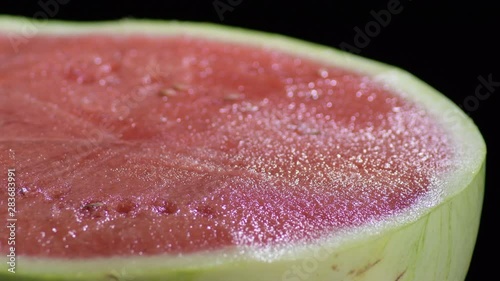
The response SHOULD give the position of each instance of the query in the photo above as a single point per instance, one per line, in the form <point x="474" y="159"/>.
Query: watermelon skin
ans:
<point x="435" y="244"/>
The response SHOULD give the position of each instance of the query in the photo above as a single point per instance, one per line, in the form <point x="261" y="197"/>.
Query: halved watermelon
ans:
<point x="143" y="150"/>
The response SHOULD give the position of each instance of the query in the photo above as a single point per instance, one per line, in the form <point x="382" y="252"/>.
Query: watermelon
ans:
<point x="150" y="150"/>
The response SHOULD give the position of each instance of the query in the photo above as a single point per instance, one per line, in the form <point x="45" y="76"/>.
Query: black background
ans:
<point x="447" y="44"/>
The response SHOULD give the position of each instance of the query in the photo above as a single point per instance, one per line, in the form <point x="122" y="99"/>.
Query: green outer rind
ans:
<point x="433" y="241"/>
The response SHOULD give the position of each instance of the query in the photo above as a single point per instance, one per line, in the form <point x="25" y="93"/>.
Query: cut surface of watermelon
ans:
<point x="190" y="141"/>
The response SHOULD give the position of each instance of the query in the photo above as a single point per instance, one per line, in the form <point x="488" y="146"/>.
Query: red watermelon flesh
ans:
<point x="137" y="145"/>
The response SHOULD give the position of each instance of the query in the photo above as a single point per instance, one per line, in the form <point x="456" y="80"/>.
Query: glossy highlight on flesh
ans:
<point x="136" y="145"/>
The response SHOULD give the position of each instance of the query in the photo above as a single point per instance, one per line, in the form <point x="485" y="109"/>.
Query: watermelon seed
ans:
<point x="93" y="205"/>
<point x="126" y="207"/>
<point x="168" y="92"/>
<point x="179" y="87"/>
<point x="165" y="208"/>
<point x="174" y="90"/>
<point x="233" y="97"/>
<point x="305" y="130"/>
<point x="94" y="209"/>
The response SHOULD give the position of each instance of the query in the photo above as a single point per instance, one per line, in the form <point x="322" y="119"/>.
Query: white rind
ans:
<point x="432" y="241"/>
